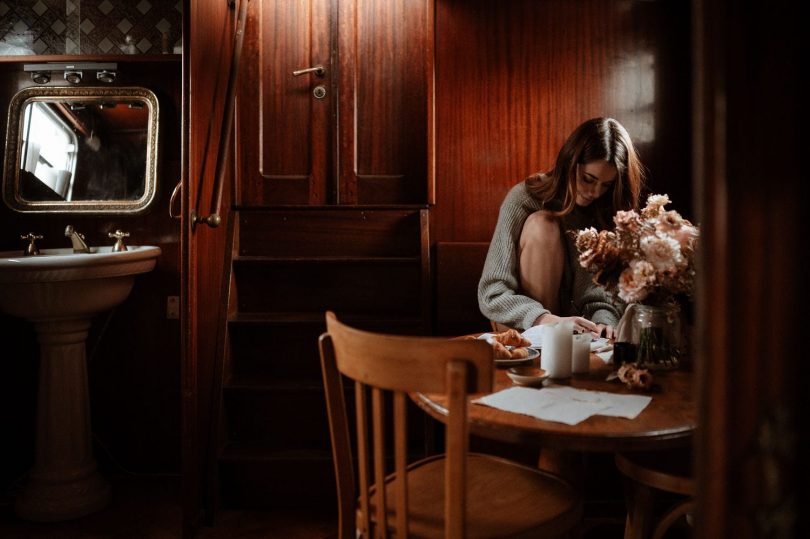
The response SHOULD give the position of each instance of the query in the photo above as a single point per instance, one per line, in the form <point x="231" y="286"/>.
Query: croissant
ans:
<point x="518" y="351"/>
<point x="511" y="337"/>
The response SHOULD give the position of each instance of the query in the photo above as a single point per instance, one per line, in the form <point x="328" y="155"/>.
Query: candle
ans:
<point x="555" y="356"/>
<point x="581" y="353"/>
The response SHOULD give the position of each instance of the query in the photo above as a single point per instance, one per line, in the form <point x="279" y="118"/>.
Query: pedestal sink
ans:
<point x="60" y="291"/>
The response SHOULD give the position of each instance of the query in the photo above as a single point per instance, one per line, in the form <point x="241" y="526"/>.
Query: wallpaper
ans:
<point x="90" y="26"/>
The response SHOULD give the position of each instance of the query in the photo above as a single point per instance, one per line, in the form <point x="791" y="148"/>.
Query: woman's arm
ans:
<point x="597" y="305"/>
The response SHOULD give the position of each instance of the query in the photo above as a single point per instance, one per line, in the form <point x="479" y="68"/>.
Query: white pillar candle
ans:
<point x="581" y="353"/>
<point x="555" y="356"/>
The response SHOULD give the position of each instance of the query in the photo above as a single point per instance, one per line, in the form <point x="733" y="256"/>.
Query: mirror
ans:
<point x="81" y="149"/>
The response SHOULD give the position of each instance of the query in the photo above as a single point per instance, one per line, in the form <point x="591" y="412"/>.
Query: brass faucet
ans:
<point x="78" y="240"/>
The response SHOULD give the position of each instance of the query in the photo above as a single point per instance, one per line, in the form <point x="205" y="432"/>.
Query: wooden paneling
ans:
<point x="513" y="79"/>
<point x="752" y="187"/>
<point x="208" y="40"/>
<point x="458" y="269"/>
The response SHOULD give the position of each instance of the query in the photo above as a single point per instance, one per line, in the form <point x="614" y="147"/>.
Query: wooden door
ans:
<point x="283" y="130"/>
<point x="355" y="134"/>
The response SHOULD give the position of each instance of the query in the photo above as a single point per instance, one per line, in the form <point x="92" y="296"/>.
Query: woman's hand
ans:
<point x="580" y="324"/>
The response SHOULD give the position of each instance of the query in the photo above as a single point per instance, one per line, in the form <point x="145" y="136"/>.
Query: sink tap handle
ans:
<point x="31" y="249"/>
<point x="119" y="236"/>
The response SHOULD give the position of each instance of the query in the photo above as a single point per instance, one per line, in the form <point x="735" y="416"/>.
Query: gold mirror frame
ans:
<point x="11" y="171"/>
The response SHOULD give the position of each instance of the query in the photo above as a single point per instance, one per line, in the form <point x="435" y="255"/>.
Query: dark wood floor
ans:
<point x="147" y="507"/>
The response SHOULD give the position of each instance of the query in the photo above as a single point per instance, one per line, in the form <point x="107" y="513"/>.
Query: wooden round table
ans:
<point x="668" y="421"/>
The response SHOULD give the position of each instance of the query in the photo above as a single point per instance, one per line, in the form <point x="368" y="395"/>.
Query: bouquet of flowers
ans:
<point x="648" y="258"/>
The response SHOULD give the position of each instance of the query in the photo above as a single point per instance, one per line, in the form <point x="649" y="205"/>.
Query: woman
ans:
<point x="531" y="275"/>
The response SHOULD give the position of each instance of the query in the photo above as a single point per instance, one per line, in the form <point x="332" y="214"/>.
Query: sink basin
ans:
<point x="59" y="292"/>
<point x="59" y="283"/>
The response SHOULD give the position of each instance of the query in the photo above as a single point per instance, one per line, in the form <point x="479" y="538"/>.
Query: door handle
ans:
<point x="318" y="70"/>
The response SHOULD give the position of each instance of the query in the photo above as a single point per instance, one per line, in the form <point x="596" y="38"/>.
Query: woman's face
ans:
<point x="594" y="178"/>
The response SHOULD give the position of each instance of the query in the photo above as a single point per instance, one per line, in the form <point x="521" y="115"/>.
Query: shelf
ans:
<point x="62" y="58"/>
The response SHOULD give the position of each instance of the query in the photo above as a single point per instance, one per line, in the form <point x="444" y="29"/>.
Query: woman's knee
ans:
<point x="540" y="229"/>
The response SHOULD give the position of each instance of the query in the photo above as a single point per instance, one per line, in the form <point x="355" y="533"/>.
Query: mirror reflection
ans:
<point x="81" y="149"/>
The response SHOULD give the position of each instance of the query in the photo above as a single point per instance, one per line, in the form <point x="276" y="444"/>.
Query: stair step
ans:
<point x="313" y="232"/>
<point x="253" y="477"/>
<point x="292" y="318"/>
<point x="270" y="383"/>
<point x="354" y="288"/>
<point x="327" y="260"/>
<point x="285" y="351"/>
<point x="292" y="417"/>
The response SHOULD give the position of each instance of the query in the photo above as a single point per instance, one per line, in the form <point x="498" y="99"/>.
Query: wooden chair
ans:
<point x="645" y="472"/>
<point x="456" y="494"/>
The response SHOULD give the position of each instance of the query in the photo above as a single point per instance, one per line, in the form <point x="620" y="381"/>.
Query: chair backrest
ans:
<point x="383" y="365"/>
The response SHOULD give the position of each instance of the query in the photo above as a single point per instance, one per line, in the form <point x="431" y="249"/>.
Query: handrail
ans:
<point x="213" y="219"/>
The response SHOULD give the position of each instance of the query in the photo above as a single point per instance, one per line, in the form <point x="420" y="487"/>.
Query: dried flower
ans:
<point x="650" y="255"/>
<point x="634" y="377"/>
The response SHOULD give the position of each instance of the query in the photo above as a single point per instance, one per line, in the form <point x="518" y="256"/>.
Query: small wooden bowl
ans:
<point x="527" y="376"/>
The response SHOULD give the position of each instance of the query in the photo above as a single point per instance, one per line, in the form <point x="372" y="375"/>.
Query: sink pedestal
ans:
<point x="60" y="291"/>
<point x="64" y="482"/>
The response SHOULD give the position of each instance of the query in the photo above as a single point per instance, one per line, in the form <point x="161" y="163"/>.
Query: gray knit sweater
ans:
<point x="499" y="293"/>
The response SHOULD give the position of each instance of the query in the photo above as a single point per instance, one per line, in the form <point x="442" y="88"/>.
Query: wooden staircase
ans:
<point x="370" y="265"/>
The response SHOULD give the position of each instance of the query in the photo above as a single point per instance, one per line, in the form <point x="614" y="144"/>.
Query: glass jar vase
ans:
<point x="656" y="332"/>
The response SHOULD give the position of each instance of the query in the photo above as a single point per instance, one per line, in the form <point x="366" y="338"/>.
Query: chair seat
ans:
<point x="504" y="499"/>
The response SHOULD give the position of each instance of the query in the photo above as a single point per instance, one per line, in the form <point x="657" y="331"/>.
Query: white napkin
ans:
<point x="565" y="404"/>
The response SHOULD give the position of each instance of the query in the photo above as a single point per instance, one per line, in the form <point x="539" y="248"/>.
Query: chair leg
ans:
<point x="639" y="510"/>
<point x="569" y="465"/>
<point x="673" y="515"/>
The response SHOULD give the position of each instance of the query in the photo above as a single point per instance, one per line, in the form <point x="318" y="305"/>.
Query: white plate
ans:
<point x="533" y="354"/>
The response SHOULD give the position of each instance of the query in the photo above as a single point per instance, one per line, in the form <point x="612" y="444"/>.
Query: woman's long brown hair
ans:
<point x="597" y="138"/>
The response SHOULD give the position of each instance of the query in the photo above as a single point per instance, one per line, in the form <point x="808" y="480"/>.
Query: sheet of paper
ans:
<point x="565" y="404"/>
<point x="541" y="404"/>
<point x="607" y="357"/>
<point x="598" y="343"/>
<point x="534" y="334"/>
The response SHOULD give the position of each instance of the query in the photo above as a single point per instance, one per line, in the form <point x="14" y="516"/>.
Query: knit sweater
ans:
<point x="499" y="292"/>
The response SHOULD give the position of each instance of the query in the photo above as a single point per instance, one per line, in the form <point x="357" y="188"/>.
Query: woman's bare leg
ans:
<point x="541" y="259"/>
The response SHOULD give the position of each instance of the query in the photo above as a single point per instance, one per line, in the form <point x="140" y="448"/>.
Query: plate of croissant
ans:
<point x="511" y="349"/>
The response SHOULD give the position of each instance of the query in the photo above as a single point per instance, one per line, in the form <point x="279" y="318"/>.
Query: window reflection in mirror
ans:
<point x="81" y="149"/>
<point x="48" y="151"/>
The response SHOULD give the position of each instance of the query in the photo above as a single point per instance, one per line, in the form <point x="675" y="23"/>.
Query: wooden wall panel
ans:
<point x="514" y="78"/>
<point x="209" y="39"/>
<point x="752" y="188"/>
<point x="458" y="268"/>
